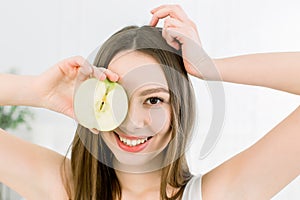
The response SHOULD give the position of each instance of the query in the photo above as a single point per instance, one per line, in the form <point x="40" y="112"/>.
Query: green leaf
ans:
<point x="12" y="117"/>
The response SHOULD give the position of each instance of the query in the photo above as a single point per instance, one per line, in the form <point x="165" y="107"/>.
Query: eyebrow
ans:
<point x="154" y="90"/>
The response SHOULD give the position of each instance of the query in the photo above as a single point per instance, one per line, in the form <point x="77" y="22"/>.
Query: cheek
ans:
<point x="160" y="120"/>
<point x="106" y="136"/>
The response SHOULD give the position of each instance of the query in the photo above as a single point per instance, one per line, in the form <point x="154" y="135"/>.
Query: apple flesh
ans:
<point x="102" y="105"/>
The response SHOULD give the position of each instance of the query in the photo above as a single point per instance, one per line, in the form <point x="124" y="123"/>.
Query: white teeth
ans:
<point x="132" y="143"/>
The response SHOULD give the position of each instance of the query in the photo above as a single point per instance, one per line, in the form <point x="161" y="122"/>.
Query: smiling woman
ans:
<point x="153" y="138"/>
<point x="144" y="157"/>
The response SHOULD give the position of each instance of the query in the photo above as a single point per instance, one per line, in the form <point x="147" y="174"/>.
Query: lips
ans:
<point x="132" y="144"/>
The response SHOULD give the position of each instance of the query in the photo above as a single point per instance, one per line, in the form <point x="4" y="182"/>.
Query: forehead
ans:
<point x="129" y="61"/>
<point x="138" y="70"/>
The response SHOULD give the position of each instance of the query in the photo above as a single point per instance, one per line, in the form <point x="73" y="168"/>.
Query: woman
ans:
<point x="101" y="169"/>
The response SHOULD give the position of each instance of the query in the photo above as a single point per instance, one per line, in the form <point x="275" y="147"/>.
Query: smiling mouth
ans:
<point x="133" y="142"/>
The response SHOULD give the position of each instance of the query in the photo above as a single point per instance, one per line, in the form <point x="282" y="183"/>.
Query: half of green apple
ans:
<point x="102" y="105"/>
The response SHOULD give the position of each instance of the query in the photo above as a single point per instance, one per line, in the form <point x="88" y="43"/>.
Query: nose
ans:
<point x="137" y="118"/>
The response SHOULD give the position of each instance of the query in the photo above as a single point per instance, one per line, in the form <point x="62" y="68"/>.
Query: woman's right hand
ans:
<point x="55" y="87"/>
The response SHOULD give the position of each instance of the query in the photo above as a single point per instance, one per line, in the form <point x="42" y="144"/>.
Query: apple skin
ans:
<point x="102" y="105"/>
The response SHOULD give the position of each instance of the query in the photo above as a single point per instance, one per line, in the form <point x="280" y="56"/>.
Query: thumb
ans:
<point x="175" y="37"/>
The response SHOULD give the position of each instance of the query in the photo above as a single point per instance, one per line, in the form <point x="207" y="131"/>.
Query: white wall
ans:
<point x="36" y="34"/>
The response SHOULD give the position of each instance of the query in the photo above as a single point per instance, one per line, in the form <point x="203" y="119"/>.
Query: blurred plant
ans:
<point x="13" y="116"/>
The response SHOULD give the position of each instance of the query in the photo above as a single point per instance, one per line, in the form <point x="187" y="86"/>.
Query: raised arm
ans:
<point x="273" y="162"/>
<point x="264" y="169"/>
<point x="32" y="170"/>
<point x="264" y="69"/>
<point x="279" y="71"/>
<point x="18" y="90"/>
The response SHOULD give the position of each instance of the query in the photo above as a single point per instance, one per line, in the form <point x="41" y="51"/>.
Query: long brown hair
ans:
<point x="92" y="177"/>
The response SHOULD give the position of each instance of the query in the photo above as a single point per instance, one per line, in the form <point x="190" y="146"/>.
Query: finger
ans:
<point x="85" y="72"/>
<point x="171" y="22"/>
<point x="95" y="131"/>
<point x="99" y="73"/>
<point x="189" y="26"/>
<point x="170" y="40"/>
<point x="185" y="35"/>
<point x="173" y="11"/>
<point x="158" y="8"/>
<point x="102" y="73"/>
<point x="77" y="66"/>
<point x="68" y="65"/>
<point x="176" y="33"/>
<point x="112" y="76"/>
<point x="78" y="61"/>
<point x="177" y="22"/>
<point x="170" y="7"/>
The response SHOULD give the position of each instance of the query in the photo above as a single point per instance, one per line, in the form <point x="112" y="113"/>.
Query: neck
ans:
<point x="140" y="178"/>
<point x="155" y="164"/>
<point x="139" y="183"/>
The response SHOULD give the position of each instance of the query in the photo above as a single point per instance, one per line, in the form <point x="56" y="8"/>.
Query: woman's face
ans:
<point x="146" y="130"/>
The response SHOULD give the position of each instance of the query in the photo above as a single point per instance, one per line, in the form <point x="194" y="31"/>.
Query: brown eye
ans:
<point x="154" y="100"/>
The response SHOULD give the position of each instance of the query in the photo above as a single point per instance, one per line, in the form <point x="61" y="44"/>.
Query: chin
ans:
<point x="138" y="163"/>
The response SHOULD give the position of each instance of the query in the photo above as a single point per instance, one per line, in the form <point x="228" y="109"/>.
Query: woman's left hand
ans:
<point x="181" y="33"/>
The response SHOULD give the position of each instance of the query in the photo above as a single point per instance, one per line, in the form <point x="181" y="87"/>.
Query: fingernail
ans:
<point x="102" y="77"/>
<point x="116" y="76"/>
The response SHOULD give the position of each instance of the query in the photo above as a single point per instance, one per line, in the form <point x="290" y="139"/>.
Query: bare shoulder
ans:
<point x="31" y="170"/>
<point x="262" y="170"/>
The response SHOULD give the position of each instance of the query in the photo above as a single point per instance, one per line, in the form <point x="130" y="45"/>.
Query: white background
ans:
<point x="36" y="34"/>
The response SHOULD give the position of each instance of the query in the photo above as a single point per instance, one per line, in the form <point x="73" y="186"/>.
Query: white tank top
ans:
<point x="192" y="190"/>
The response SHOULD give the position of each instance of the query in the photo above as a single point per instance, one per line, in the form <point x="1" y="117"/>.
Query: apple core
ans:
<point x="102" y="105"/>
